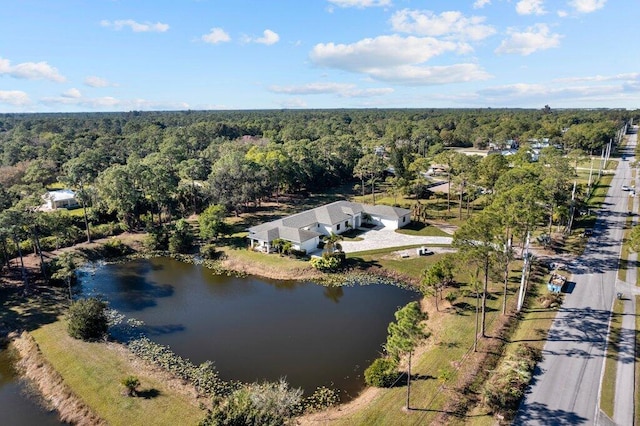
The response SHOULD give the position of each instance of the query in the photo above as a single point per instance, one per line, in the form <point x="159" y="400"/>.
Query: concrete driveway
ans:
<point x="384" y="238"/>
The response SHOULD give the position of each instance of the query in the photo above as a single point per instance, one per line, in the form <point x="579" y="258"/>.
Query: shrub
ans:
<point x="208" y="251"/>
<point x="298" y="254"/>
<point x="181" y="240"/>
<point x="268" y="404"/>
<point x="131" y="383"/>
<point x="48" y="243"/>
<point x="106" y="230"/>
<point x="550" y="300"/>
<point x="116" y="248"/>
<point x="451" y="296"/>
<point x="87" y="319"/>
<point x="157" y="238"/>
<point x="26" y="246"/>
<point x="326" y="263"/>
<point x="382" y="373"/>
<point x="505" y="389"/>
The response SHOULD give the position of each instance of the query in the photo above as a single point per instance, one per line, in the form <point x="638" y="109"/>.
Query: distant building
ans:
<point x="60" y="199"/>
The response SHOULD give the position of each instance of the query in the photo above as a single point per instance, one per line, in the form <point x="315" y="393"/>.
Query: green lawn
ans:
<point x="93" y="371"/>
<point x="607" y="393"/>
<point x="422" y="229"/>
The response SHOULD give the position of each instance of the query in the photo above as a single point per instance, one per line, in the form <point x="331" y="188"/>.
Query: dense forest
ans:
<point x="139" y="167"/>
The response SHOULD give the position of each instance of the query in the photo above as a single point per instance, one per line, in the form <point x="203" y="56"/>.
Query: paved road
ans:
<point x="566" y="385"/>
<point x="623" y="412"/>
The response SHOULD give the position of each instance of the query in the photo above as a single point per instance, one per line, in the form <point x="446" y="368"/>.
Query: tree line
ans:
<point x="138" y="168"/>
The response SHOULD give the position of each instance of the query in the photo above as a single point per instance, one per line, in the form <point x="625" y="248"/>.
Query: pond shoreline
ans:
<point x="36" y="369"/>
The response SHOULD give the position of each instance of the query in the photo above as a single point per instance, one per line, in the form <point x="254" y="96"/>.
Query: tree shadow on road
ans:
<point x="536" y="413"/>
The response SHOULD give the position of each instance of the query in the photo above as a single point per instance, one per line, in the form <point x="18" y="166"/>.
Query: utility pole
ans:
<point x="589" y="184"/>
<point x="521" y="292"/>
<point x="572" y="210"/>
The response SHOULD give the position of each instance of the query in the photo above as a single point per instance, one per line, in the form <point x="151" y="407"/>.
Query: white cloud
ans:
<point x="215" y="36"/>
<point x="31" y="71"/>
<point x="531" y="92"/>
<point x="269" y="37"/>
<point x="530" y="7"/>
<point x="479" y="4"/>
<point x="537" y="37"/>
<point x="379" y="52"/>
<point x="136" y="27"/>
<point x="587" y="6"/>
<point x="109" y="103"/>
<point x="397" y="59"/>
<point x="341" y="89"/>
<point x="451" y="23"/>
<point x="426" y="75"/>
<point x="72" y="93"/>
<point x="627" y="77"/>
<point x="563" y="13"/>
<point x="601" y="90"/>
<point x="94" y="81"/>
<point x="14" y="97"/>
<point x="360" y="3"/>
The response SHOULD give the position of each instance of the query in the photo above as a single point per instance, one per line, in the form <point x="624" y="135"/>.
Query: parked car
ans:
<point x="625" y="187"/>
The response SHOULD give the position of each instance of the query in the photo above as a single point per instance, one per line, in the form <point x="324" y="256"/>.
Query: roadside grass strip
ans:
<point x="94" y="371"/>
<point x="447" y="376"/>
<point x="607" y="393"/>
<point x="625" y="251"/>
<point x="637" y="365"/>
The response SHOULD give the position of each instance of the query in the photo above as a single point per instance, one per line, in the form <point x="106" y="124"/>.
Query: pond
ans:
<point x="252" y="328"/>
<point x="18" y="403"/>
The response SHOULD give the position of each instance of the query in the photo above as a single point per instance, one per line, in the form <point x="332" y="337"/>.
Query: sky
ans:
<point x="124" y="55"/>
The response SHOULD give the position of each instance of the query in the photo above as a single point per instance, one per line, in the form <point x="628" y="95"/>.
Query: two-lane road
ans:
<point x="566" y="386"/>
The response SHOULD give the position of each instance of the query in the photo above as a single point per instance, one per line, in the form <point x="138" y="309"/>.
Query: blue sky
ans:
<point x="122" y="55"/>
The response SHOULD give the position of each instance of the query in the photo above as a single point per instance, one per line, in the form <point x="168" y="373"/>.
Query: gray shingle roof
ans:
<point x="387" y="212"/>
<point x="290" y="227"/>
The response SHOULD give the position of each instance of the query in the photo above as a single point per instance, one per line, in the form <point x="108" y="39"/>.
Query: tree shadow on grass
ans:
<point x="19" y="312"/>
<point x="149" y="393"/>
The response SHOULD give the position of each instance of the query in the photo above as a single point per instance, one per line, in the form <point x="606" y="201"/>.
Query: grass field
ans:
<point x="607" y="392"/>
<point x="93" y="371"/>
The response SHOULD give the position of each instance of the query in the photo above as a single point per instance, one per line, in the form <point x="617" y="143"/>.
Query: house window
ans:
<point x="346" y="223"/>
<point x="337" y="227"/>
<point x="404" y="219"/>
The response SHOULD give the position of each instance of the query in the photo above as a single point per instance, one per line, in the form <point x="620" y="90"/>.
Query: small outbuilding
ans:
<point x="60" y="199"/>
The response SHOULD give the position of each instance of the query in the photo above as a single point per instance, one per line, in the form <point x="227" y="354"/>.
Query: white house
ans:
<point x="304" y="229"/>
<point x="63" y="198"/>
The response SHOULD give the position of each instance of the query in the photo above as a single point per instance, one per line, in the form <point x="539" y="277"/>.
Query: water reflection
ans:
<point x="18" y="404"/>
<point x="255" y="329"/>
<point x="333" y="293"/>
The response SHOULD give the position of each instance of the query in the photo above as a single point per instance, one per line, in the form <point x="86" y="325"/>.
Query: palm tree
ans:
<point x="331" y="244"/>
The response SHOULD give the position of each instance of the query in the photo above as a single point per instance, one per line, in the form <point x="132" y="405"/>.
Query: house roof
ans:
<point x="291" y="227"/>
<point x="387" y="212"/>
<point x="294" y="235"/>
<point x="60" y="195"/>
